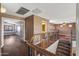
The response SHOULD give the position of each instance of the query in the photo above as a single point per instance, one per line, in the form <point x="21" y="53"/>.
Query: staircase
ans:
<point x="64" y="48"/>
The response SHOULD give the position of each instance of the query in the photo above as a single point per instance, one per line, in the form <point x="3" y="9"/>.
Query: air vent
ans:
<point x="36" y="11"/>
<point x="22" y="11"/>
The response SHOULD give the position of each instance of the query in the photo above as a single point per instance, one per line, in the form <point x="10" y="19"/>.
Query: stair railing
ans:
<point x="38" y="38"/>
<point x="38" y="51"/>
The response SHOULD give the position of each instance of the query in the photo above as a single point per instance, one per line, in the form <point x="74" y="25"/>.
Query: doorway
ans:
<point x="13" y="33"/>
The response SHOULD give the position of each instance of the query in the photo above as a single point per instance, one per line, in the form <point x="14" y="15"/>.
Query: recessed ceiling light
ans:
<point x="52" y="21"/>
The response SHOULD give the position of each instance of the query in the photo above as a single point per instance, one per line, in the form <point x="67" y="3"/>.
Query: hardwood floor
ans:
<point x="14" y="47"/>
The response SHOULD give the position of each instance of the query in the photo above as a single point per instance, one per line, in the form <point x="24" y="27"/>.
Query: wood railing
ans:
<point x="36" y="45"/>
<point x="35" y="50"/>
<point x="52" y="36"/>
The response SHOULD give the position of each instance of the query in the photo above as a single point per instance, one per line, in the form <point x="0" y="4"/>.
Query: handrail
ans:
<point x="44" y="33"/>
<point x="39" y="49"/>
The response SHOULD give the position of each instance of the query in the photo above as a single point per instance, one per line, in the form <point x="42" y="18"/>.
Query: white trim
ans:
<point x="2" y="34"/>
<point x="24" y="31"/>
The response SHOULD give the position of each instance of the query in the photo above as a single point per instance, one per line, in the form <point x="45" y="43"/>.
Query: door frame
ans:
<point x="2" y="31"/>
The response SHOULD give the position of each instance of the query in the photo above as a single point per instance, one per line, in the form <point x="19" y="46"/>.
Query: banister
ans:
<point x="39" y="49"/>
<point x="44" y="33"/>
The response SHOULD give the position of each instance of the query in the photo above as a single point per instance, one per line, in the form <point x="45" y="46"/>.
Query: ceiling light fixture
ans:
<point x="70" y="25"/>
<point x="52" y="21"/>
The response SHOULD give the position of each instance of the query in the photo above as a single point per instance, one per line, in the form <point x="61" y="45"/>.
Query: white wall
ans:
<point x="77" y="30"/>
<point x="52" y="48"/>
<point x="20" y="29"/>
<point x="74" y="46"/>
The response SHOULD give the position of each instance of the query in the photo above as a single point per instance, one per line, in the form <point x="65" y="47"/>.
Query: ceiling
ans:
<point x="55" y="12"/>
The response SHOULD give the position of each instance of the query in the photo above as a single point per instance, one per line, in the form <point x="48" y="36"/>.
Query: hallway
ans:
<point x="13" y="46"/>
<point x="29" y="29"/>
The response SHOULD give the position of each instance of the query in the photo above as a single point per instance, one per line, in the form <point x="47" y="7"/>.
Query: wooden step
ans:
<point x="64" y="48"/>
<point x="63" y="52"/>
<point x="67" y="46"/>
<point x="65" y="43"/>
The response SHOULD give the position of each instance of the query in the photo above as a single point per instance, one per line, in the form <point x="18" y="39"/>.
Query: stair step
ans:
<point x="63" y="52"/>
<point x="67" y="46"/>
<point x="64" y="43"/>
<point x="63" y="48"/>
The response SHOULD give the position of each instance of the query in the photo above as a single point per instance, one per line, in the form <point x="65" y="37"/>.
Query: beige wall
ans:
<point x="38" y="24"/>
